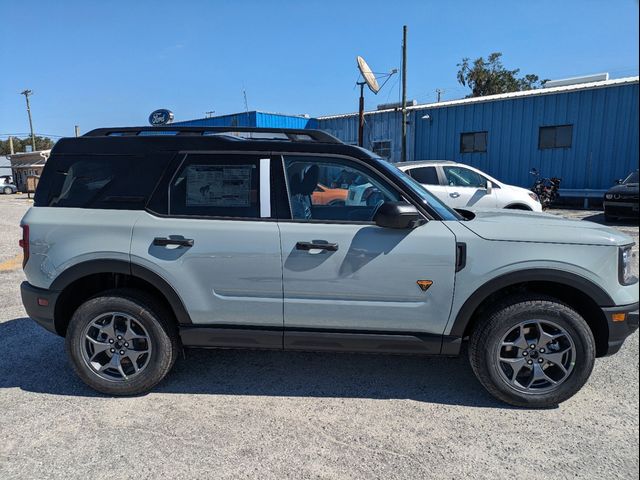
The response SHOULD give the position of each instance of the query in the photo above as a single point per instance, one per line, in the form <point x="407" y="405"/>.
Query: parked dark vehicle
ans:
<point x="545" y="188"/>
<point x="621" y="200"/>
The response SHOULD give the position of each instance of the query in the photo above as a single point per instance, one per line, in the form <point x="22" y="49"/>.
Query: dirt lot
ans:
<point x="243" y="414"/>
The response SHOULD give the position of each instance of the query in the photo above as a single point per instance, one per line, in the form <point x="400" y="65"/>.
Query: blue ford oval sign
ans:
<point x="161" y="117"/>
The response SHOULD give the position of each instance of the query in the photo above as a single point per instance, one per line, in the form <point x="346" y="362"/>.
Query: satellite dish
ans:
<point x="368" y="75"/>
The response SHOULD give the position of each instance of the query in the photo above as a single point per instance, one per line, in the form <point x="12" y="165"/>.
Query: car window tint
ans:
<point x="98" y="181"/>
<point x="216" y="186"/>
<point x="463" y="177"/>
<point x="349" y="191"/>
<point x="425" y="175"/>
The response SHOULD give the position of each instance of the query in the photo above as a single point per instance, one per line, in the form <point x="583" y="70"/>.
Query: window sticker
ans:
<point x="219" y="185"/>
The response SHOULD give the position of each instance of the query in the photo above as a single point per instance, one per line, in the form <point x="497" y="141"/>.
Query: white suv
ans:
<point x="460" y="186"/>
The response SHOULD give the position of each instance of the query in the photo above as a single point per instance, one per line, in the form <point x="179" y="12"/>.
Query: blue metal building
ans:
<point x="585" y="133"/>
<point x="253" y="119"/>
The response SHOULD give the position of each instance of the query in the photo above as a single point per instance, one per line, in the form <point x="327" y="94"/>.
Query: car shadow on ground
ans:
<point x="35" y="360"/>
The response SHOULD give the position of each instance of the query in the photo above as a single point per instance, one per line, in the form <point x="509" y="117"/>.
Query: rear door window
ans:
<point x="219" y="185"/>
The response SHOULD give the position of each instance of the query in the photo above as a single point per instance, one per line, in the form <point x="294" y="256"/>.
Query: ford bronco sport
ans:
<point x="145" y="240"/>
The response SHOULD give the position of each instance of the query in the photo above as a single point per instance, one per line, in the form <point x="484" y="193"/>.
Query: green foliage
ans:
<point x="490" y="77"/>
<point x="20" y="144"/>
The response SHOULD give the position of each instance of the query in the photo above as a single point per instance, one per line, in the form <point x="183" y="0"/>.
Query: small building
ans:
<point x="584" y="130"/>
<point x="253" y="119"/>
<point x="585" y="133"/>
<point x="27" y="164"/>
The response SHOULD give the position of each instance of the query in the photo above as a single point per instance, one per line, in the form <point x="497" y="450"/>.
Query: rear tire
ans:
<point x="512" y="354"/>
<point x="122" y="342"/>
<point x="8" y="191"/>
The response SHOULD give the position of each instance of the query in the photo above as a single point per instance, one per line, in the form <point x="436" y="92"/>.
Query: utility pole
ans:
<point x="11" y="145"/>
<point x="210" y="113"/>
<point x="26" y="94"/>
<point x="439" y="92"/>
<point x="404" y="94"/>
<point x="361" y="114"/>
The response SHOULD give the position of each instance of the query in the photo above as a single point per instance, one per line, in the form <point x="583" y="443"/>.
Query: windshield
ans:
<point x="632" y="178"/>
<point x="445" y="212"/>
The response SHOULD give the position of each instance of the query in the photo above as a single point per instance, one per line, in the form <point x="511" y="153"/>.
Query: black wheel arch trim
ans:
<point x="568" y="279"/>
<point x="91" y="267"/>
<point x="518" y="206"/>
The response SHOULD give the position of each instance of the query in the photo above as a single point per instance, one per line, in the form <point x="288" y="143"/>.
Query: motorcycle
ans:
<point x="545" y="188"/>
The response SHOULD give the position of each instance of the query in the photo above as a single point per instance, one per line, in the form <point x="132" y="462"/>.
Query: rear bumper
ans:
<point x="620" y="330"/>
<point x="33" y="299"/>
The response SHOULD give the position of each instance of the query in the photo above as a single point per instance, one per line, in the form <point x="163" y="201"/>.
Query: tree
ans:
<point x="490" y="77"/>
<point x="20" y="144"/>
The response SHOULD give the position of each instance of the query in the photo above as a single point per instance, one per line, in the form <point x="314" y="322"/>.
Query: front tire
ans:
<point x="8" y="191"/>
<point x="121" y="342"/>
<point x="532" y="351"/>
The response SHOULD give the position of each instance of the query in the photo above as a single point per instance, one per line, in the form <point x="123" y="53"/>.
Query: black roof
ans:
<point x="141" y="140"/>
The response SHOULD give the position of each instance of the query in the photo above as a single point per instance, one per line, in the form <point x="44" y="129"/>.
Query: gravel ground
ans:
<point x="243" y="414"/>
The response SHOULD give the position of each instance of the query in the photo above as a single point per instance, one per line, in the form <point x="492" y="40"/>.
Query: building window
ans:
<point x="558" y="136"/>
<point x="473" y="142"/>
<point x="382" y="148"/>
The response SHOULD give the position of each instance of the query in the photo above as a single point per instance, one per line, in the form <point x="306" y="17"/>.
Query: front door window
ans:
<point x="357" y="192"/>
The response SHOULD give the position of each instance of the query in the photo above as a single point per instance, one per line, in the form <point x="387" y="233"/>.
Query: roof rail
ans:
<point x="240" y="133"/>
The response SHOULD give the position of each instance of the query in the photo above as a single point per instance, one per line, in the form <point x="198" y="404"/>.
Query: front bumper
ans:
<point x="621" y="208"/>
<point x="34" y="300"/>
<point x="620" y="330"/>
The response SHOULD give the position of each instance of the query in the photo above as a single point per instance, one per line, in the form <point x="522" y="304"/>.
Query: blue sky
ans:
<point x="110" y="63"/>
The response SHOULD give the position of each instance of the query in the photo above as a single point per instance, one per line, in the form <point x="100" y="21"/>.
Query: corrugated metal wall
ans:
<point x="604" y="144"/>
<point x="252" y="119"/>
<point x="378" y="127"/>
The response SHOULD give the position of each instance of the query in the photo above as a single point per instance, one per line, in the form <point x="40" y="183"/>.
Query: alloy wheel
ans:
<point x="116" y="346"/>
<point x="536" y="356"/>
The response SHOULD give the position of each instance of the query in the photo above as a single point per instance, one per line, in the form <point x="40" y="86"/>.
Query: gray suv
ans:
<point x="143" y="241"/>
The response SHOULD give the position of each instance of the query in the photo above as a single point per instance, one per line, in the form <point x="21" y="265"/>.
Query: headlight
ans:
<point x="625" y="264"/>
<point x="608" y="196"/>
<point x="534" y="197"/>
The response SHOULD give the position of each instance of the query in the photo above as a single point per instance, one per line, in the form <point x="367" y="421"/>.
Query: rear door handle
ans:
<point x="331" y="247"/>
<point x="454" y="195"/>
<point x="164" y="241"/>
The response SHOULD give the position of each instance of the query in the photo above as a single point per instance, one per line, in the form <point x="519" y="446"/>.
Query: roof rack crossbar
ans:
<point x="289" y="133"/>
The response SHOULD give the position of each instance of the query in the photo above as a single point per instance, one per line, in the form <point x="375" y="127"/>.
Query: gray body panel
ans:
<point x="63" y="237"/>
<point x="231" y="275"/>
<point x="533" y="227"/>
<point x="370" y="282"/>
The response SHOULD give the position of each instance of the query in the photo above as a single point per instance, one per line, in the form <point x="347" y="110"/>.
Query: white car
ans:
<point x="459" y="186"/>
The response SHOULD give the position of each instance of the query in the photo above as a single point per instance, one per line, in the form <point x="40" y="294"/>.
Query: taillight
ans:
<point x="24" y="244"/>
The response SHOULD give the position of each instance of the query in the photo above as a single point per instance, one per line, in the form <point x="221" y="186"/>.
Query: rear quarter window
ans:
<point x="122" y="182"/>
<point x="425" y="175"/>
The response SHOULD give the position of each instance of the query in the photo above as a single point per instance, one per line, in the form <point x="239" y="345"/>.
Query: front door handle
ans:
<point x="454" y="195"/>
<point x="331" y="247"/>
<point x="173" y="240"/>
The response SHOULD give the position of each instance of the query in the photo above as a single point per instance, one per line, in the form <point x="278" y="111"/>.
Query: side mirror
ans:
<point x="398" y="215"/>
<point x="489" y="187"/>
